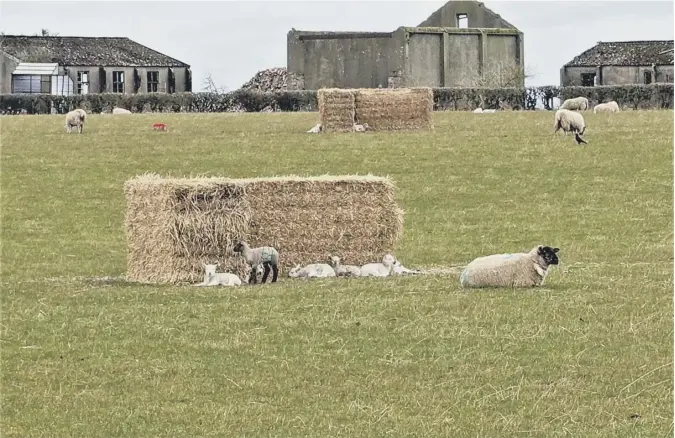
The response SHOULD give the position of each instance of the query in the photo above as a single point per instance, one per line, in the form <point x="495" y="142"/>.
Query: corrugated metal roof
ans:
<point x="36" y="68"/>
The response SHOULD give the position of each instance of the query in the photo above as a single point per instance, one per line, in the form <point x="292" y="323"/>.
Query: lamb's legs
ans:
<point x="275" y="272"/>
<point x="266" y="266"/>
<point x="253" y="276"/>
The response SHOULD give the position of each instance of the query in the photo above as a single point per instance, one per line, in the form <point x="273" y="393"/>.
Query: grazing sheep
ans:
<point x="570" y="121"/>
<point x="75" y="119"/>
<point x="211" y="278"/>
<point x="118" y="110"/>
<point x="316" y="129"/>
<point x="526" y="269"/>
<point x="314" y="270"/>
<point x="383" y="269"/>
<point x="576" y="104"/>
<point x="611" y="107"/>
<point x="343" y="270"/>
<point x="265" y="255"/>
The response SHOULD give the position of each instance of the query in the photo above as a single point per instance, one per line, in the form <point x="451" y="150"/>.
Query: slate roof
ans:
<point x="85" y="51"/>
<point x="625" y="53"/>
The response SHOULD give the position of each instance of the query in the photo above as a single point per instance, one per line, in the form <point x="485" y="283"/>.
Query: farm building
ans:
<point x="81" y="65"/>
<point x="620" y="63"/>
<point x="461" y="44"/>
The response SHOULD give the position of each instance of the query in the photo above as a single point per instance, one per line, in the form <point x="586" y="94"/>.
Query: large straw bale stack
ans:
<point x="397" y="109"/>
<point x="385" y="109"/>
<point x="175" y="224"/>
<point x="336" y="109"/>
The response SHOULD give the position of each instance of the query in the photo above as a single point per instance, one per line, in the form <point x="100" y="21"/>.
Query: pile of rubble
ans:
<point x="273" y="79"/>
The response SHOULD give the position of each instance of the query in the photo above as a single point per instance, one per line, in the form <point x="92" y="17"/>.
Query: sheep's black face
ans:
<point x="549" y="255"/>
<point x="238" y="247"/>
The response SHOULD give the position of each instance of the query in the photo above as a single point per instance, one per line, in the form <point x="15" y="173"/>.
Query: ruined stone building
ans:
<point x="620" y="63"/>
<point x="461" y="44"/>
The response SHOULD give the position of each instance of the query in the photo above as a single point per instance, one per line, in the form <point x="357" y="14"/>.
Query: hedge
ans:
<point x="631" y="96"/>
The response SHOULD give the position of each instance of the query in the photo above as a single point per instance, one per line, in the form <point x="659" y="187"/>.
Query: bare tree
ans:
<point x="210" y="85"/>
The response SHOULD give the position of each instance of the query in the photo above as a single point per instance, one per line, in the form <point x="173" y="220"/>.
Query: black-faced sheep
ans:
<point x="265" y="255"/>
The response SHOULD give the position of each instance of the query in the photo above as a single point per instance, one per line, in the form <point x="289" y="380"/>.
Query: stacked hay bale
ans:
<point x="398" y="109"/>
<point x="173" y="224"/>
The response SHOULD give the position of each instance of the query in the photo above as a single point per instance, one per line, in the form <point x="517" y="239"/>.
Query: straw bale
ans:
<point x="336" y="109"/>
<point x="398" y="109"/>
<point x="175" y="224"/>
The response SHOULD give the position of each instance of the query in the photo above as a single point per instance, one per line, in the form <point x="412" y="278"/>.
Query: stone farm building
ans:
<point x="620" y="63"/>
<point x="81" y="65"/>
<point x="461" y="44"/>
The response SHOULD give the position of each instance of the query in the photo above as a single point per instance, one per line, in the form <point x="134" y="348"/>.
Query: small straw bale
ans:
<point x="336" y="109"/>
<point x="396" y="109"/>
<point x="173" y="225"/>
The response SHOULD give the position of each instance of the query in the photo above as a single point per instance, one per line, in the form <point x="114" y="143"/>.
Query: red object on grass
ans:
<point x="159" y="127"/>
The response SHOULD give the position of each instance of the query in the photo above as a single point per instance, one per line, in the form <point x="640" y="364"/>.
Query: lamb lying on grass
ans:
<point x="570" y="121"/>
<point x="510" y="270"/>
<point x="316" y="129"/>
<point x="399" y="269"/>
<point x="609" y="107"/>
<point x="75" y="119"/>
<point x="383" y="269"/>
<point x="211" y="278"/>
<point x="314" y="270"/>
<point x="343" y="270"/>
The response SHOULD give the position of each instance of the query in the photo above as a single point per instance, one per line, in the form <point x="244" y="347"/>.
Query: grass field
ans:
<point x="582" y="356"/>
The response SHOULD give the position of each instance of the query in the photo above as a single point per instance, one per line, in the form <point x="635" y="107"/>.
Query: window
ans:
<point x="82" y="82"/>
<point x="153" y="81"/>
<point x="118" y="82"/>
<point x="31" y="84"/>
<point x="463" y="21"/>
<point x="587" y="79"/>
<point x="648" y="77"/>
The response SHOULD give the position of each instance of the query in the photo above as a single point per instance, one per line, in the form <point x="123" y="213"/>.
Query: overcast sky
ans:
<point x="232" y="40"/>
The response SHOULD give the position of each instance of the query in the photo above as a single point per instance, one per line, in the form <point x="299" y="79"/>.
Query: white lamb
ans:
<point x="75" y="119"/>
<point x="399" y="269"/>
<point x="316" y="129"/>
<point x="576" y="104"/>
<point x="526" y="269"/>
<point x="314" y="270"/>
<point x="343" y="270"/>
<point x="361" y="128"/>
<point x="117" y="110"/>
<point x="611" y="107"/>
<point x="211" y="278"/>
<point x="383" y="269"/>
<point x="570" y="121"/>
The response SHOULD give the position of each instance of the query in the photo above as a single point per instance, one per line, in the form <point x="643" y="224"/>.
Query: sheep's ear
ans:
<point x="556" y="249"/>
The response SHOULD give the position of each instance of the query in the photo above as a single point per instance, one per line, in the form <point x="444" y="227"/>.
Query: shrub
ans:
<point x="656" y="96"/>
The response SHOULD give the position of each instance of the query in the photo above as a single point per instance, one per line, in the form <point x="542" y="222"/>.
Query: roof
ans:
<point x="32" y="68"/>
<point x="625" y="53"/>
<point x="438" y="17"/>
<point x="85" y="51"/>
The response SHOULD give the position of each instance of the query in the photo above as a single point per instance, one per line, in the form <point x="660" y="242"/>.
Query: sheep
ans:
<point x="526" y="269"/>
<point x="258" y="273"/>
<point x="571" y="121"/>
<point x="383" y="269"/>
<point x="265" y="255"/>
<point x="316" y="129"/>
<point x="314" y="270"/>
<point x="576" y="104"/>
<point x="361" y="128"/>
<point x="211" y="278"/>
<point x="118" y="110"/>
<point x="75" y="118"/>
<point x="399" y="269"/>
<point x="343" y="270"/>
<point x="611" y="107"/>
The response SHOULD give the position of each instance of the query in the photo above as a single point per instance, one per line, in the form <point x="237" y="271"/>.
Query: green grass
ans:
<point x="346" y="357"/>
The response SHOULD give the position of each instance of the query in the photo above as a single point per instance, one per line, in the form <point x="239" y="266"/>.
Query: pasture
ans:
<point x="590" y="354"/>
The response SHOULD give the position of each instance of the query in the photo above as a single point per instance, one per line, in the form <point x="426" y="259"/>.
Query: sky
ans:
<point x="232" y="40"/>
